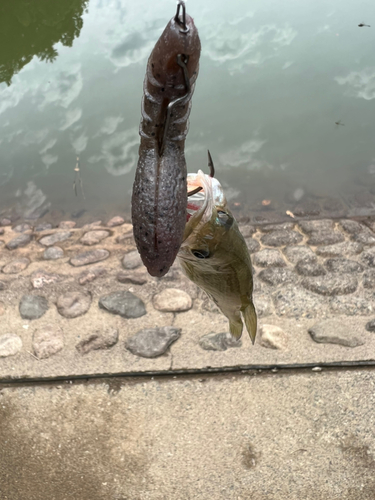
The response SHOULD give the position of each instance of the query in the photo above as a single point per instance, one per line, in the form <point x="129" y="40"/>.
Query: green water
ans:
<point x="274" y="78"/>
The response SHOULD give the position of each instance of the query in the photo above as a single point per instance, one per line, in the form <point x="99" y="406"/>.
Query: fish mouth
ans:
<point x="200" y="205"/>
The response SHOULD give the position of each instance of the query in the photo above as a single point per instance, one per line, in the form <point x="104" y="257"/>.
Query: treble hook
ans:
<point x="182" y="64"/>
<point x="212" y="174"/>
<point x="178" y="20"/>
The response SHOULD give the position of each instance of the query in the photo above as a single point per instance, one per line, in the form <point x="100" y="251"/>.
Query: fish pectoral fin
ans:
<point x="235" y="328"/>
<point x="250" y="318"/>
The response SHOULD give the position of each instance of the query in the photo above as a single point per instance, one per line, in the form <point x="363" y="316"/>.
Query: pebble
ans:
<point x="307" y="209"/>
<point x="351" y="306"/>
<point x="16" y="266"/>
<point x="325" y="238"/>
<point x="331" y="284"/>
<point x="370" y="326"/>
<point x="47" y="341"/>
<point x="73" y="304"/>
<point x="272" y="337"/>
<point x="312" y="226"/>
<point x="268" y="258"/>
<point x="33" y="306"/>
<point x="124" y="238"/>
<point x="92" y="225"/>
<point x="43" y="226"/>
<point x="98" y="340"/>
<point x="299" y="252"/>
<point x="247" y="230"/>
<point x="91" y="275"/>
<point x="367" y="239"/>
<point x="90" y="257"/>
<point x="281" y="238"/>
<point x="352" y="227"/>
<point x="20" y="241"/>
<point x="277" y="276"/>
<point x="263" y="305"/>
<point x="126" y="304"/>
<point x="50" y="240"/>
<point x="67" y="224"/>
<point x="10" y="344"/>
<point x="115" y="221"/>
<point x="368" y="257"/>
<point x="252" y="245"/>
<point x="339" y="265"/>
<point x="293" y="302"/>
<point x="218" y="341"/>
<point x="285" y="226"/>
<point x="339" y="249"/>
<point x="94" y="237"/>
<point x="53" y="253"/>
<point x="172" y="300"/>
<point x="369" y="278"/>
<point x="131" y="260"/>
<point x="22" y="228"/>
<point x="40" y="278"/>
<point x="5" y="222"/>
<point x="136" y="278"/>
<point x="333" y="331"/>
<point x="307" y="267"/>
<point x="152" y="342"/>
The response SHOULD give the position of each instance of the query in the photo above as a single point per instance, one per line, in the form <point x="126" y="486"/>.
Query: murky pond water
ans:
<point x="285" y="101"/>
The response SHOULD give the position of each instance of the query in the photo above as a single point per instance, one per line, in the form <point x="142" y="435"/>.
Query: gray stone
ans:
<point x="47" y="341"/>
<point x="268" y="258"/>
<point x="20" y="241"/>
<point x="272" y="337"/>
<point x="252" y="245"/>
<point x="90" y="257"/>
<point x="277" y="276"/>
<point x="73" y="304"/>
<point x="218" y="341"/>
<point x="263" y="305"/>
<point x="91" y="275"/>
<point x="136" y="277"/>
<point x="33" y="306"/>
<point x="333" y="331"/>
<point x="172" y="300"/>
<point x="131" y="260"/>
<point x="369" y="279"/>
<point x="40" y="278"/>
<point x="53" y="253"/>
<point x="284" y="226"/>
<point x="307" y="208"/>
<point x="5" y="222"/>
<point x="22" y="228"/>
<point x="294" y="302"/>
<point x="125" y="237"/>
<point x="98" y="340"/>
<point x="281" y="238"/>
<point x="299" y="252"/>
<point x="43" y="226"/>
<point x="308" y="267"/>
<point x="123" y="303"/>
<point x="152" y="342"/>
<point x="92" y="225"/>
<point x="370" y="326"/>
<point x="312" y="226"/>
<point x="94" y="237"/>
<point x="16" y="266"/>
<point x="352" y="226"/>
<point x="368" y="257"/>
<point x="67" y="224"/>
<point x="339" y="265"/>
<point x="247" y="231"/>
<point x="364" y="238"/>
<point x="351" y="306"/>
<point x="50" y="240"/>
<point x="331" y="284"/>
<point x="325" y="238"/>
<point x="115" y="221"/>
<point x="339" y="249"/>
<point x="10" y="344"/>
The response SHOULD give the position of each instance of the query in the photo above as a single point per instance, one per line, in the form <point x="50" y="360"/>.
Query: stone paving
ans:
<point x="77" y="301"/>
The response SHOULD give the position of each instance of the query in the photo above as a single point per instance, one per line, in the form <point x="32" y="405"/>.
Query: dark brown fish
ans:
<point x="159" y="193"/>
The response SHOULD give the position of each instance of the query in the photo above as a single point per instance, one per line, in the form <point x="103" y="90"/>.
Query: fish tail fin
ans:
<point x="250" y="318"/>
<point x="235" y="328"/>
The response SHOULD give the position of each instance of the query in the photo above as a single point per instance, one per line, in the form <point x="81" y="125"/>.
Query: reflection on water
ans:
<point x="284" y="101"/>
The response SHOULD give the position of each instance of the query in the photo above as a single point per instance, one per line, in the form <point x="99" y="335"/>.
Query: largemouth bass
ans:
<point x="215" y="257"/>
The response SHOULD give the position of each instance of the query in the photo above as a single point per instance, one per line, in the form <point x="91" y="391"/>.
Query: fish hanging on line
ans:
<point x="214" y="254"/>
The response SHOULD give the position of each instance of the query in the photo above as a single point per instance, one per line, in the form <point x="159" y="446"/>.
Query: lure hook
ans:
<point x="182" y="22"/>
<point x="212" y="174"/>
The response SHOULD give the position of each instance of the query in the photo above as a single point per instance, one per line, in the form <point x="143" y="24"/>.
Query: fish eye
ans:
<point x="201" y="254"/>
